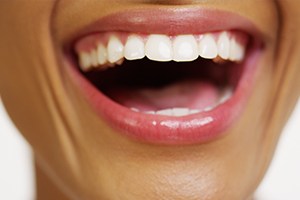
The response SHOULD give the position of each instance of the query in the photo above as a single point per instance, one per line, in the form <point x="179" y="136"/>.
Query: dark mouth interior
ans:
<point x="151" y="85"/>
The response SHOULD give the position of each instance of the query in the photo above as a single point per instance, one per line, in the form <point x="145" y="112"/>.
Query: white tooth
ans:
<point x="232" y="49"/>
<point x="102" y="54"/>
<point x="94" y="58"/>
<point x="114" y="49"/>
<point x="150" y="112"/>
<point x="194" y="111"/>
<point x="224" y="46"/>
<point x="208" y="108"/>
<point x="208" y="47"/>
<point x="85" y="61"/>
<point x="180" y="112"/>
<point x="167" y="112"/>
<point x="134" y="48"/>
<point x="237" y="51"/>
<point x="240" y="52"/>
<point x="185" y="48"/>
<point x="159" y="48"/>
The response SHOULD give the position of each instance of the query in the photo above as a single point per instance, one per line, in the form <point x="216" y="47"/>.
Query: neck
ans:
<point x="46" y="189"/>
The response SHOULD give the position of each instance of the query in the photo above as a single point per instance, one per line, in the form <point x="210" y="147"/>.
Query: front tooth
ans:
<point x="114" y="49"/>
<point x="208" y="47"/>
<point x="102" y="54"/>
<point x="224" y="46"/>
<point x="185" y="48"/>
<point x="237" y="51"/>
<point x="159" y="48"/>
<point x="85" y="61"/>
<point x="134" y="48"/>
<point x="180" y="112"/>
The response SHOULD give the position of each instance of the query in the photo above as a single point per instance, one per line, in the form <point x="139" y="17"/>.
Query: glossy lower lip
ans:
<point x="157" y="129"/>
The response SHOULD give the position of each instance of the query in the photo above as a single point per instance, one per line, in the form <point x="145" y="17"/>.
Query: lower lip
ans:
<point x="157" y="129"/>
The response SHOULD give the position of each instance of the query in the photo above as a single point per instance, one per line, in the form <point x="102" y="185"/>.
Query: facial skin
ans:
<point x="87" y="159"/>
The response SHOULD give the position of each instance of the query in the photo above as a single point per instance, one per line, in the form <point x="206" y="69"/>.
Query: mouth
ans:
<point x="180" y="84"/>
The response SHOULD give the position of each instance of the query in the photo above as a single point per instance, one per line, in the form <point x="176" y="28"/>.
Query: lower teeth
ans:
<point x="176" y="112"/>
<point x="179" y="112"/>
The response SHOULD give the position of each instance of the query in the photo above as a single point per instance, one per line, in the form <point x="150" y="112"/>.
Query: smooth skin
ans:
<point x="79" y="156"/>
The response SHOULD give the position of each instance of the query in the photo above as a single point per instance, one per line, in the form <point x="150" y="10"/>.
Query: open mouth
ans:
<point x="164" y="75"/>
<point x="167" y="88"/>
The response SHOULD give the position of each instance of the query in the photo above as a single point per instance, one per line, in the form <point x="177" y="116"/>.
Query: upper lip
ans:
<point x="173" y="130"/>
<point x="170" y="21"/>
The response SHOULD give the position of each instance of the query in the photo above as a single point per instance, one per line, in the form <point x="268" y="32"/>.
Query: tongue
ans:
<point x="182" y="94"/>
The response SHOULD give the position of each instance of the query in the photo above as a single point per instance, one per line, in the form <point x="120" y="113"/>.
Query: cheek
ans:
<point x="24" y="57"/>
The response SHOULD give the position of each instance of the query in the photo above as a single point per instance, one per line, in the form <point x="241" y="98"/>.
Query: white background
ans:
<point x="16" y="171"/>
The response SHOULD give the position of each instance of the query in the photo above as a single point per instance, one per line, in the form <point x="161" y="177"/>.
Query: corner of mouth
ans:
<point x="174" y="99"/>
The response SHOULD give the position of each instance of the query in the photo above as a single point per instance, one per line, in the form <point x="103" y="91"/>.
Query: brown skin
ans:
<point x="79" y="156"/>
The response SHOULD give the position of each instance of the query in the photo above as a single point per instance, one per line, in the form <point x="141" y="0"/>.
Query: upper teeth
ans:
<point x="159" y="47"/>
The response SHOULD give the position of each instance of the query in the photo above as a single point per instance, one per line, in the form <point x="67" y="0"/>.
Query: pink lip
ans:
<point x="157" y="129"/>
<point x="171" y="21"/>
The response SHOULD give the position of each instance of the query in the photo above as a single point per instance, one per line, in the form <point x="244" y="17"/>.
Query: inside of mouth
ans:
<point x="160" y="87"/>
